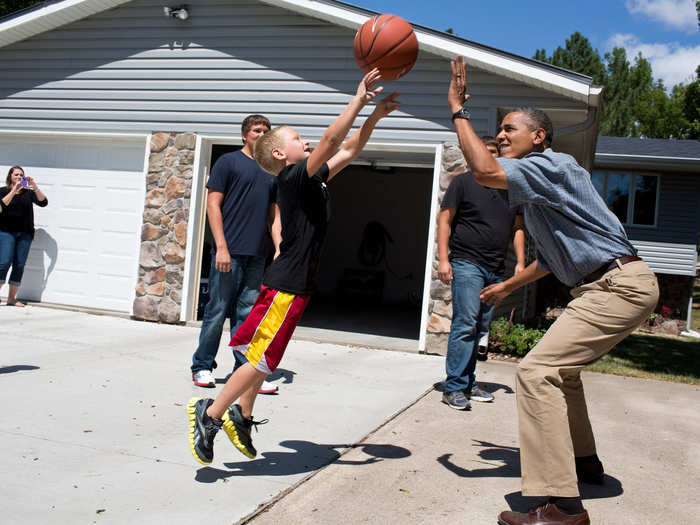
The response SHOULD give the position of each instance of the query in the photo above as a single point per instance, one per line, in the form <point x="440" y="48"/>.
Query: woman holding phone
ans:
<point x="17" y="199"/>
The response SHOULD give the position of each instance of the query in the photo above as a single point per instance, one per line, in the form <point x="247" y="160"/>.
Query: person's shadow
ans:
<point x="611" y="488"/>
<point x="502" y="461"/>
<point x="287" y="377"/>
<point x="34" y="283"/>
<point x="508" y="465"/>
<point x="488" y="387"/>
<point x="305" y="457"/>
<point x="16" y="368"/>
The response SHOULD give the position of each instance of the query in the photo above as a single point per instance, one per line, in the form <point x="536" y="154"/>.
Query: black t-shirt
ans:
<point x="305" y="210"/>
<point x="248" y="192"/>
<point x="19" y="215"/>
<point x="482" y="226"/>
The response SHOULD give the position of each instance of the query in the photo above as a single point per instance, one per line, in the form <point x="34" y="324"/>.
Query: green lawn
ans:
<point x="654" y="357"/>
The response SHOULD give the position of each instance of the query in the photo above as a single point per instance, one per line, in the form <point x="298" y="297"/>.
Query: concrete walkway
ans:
<point x="94" y="431"/>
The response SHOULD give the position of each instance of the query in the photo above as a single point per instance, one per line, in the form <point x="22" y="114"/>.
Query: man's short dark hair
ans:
<point x="254" y="120"/>
<point x="488" y="140"/>
<point x="538" y="119"/>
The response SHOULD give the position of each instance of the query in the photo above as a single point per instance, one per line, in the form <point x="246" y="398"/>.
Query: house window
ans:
<point x="632" y="197"/>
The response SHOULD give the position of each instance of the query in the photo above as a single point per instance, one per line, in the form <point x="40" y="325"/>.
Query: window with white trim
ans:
<point x="633" y="198"/>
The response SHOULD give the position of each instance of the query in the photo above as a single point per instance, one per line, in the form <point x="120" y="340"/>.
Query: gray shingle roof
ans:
<point x="673" y="148"/>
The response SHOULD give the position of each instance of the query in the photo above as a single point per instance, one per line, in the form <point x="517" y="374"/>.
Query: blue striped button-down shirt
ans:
<point x="574" y="231"/>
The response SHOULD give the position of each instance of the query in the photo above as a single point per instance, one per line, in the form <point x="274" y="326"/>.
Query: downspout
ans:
<point x="589" y="127"/>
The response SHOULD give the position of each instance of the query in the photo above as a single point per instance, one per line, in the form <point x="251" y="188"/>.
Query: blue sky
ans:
<point x="664" y="31"/>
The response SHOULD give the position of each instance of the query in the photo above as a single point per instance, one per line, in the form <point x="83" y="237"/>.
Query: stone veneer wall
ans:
<point x="164" y="230"/>
<point x="440" y="305"/>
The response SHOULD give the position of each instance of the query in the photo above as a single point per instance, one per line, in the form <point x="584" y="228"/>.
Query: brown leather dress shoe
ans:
<point x="547" y="514"/>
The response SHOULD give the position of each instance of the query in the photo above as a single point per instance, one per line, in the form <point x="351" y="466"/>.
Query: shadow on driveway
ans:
<point x="306" y="457"/>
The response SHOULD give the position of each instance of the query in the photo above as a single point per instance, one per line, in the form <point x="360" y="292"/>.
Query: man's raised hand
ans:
<point x="387" y="105"/>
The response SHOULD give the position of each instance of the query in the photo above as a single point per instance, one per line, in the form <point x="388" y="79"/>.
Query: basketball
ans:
<point x="388" y="43"/>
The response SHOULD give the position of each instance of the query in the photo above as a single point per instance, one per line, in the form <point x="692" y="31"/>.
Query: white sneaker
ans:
<point x="204" y="378"/>
<point x="268" y="388"/>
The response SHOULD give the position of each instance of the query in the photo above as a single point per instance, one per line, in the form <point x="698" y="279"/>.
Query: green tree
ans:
<point x="659" y="115"/>
<point x="691" y="107"/>
<point x="578" y="55"/>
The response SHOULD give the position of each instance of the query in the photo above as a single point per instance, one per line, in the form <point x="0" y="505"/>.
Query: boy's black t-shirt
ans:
<point x="248" y="192"/>
<point x="305" y="211"/>
<point x="19" y="215"/>
<point x="483" y="223"/>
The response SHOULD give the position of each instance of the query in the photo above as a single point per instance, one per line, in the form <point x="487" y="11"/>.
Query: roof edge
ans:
<point x="529" y="71"/>
<point x="617" y="160"/>
<point x="52" y="15"/>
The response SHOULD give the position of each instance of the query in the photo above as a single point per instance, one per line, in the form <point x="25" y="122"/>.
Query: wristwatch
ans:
<point x="461" y="113"/>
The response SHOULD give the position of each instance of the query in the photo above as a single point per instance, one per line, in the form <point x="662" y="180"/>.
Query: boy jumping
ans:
<point x="288" y="283"/>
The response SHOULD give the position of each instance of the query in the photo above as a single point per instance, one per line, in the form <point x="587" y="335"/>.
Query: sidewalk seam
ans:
<point x="265" y="506"/>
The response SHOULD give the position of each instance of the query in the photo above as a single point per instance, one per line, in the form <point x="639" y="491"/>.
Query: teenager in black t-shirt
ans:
<point x="17" y="200"/>
<point x="287" y="285"/>
<point x="476" y="224"/>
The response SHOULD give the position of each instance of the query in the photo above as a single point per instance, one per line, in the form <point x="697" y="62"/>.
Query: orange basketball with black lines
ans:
<point x="388" y="43"/>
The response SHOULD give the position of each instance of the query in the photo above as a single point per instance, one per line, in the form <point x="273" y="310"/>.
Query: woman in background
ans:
<point x="17" y="199"/>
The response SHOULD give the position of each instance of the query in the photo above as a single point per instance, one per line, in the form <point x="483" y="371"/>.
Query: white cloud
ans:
<point x="677" y="14"/>
<point x="672" y="63"/>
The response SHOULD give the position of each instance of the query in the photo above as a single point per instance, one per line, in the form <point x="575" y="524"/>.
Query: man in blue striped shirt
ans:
<point x="584" y="245"/>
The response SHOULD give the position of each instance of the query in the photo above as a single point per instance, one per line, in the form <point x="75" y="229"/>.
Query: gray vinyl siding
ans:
<point x="670" y="246"/>
<point x="131" y="69"/>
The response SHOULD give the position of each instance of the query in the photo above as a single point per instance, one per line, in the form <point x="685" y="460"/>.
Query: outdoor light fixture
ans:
<point x="177" y="12"/>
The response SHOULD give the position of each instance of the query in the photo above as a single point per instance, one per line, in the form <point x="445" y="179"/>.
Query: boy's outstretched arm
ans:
<point x="352" y="148"/>
<point x="337" y="131"/>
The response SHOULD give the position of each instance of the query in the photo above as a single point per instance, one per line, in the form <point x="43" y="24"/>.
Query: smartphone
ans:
<point x="25" y="182"/>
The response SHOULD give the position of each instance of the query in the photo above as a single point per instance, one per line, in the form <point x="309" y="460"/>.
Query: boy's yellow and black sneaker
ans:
<point x="237" y="428"/>
<point x="203" y="429"/>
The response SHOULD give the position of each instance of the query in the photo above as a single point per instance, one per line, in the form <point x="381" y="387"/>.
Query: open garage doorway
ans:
<point x="373" y="267"/>
<point x="373" y="264"/>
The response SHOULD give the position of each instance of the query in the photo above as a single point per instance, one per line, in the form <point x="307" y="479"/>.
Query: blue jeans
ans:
<point x="14" y="250"/>
<point x="470" y="321"/>
<point x="231" y="294"/>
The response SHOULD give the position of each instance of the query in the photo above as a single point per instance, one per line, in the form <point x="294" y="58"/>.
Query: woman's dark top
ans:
<point x="19" y="215"/>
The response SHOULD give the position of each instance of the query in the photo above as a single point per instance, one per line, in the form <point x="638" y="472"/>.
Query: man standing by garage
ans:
<point x="475" y="225"/>
<point x="584" y="245"/>
<point x="241" y="204"/>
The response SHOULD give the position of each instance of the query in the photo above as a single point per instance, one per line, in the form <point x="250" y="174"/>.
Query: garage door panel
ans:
<point x="86" y="249"/>
<point x="119" y="223"/>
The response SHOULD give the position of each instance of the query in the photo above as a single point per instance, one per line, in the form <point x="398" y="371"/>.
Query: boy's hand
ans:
<point x="457" y="93"/>
<point x="365" y="91"/>
<point x="387" y="105"/>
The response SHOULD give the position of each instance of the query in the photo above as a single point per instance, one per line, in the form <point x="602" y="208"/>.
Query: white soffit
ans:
<point x="50" y="17"/>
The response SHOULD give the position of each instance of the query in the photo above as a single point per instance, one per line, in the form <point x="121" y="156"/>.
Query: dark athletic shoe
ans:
<point x="478" y="394"/>
<point x="456" y="400"/>
<point x="203" y="429"/>
<point x="237" y="429"/>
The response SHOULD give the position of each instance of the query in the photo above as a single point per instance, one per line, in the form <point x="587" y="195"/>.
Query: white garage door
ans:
<point x="86" y="248"/>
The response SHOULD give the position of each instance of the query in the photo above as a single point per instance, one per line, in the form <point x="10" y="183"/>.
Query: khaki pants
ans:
<point x="552" y="416"/>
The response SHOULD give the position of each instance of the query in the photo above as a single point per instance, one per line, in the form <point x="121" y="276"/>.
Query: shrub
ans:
<point x="513" y="338"/>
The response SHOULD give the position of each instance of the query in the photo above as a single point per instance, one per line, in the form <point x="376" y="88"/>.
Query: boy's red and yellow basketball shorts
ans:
<point x="264" y="335"/>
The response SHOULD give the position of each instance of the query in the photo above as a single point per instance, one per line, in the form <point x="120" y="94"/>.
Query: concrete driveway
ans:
<point x="94" y="431"/>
